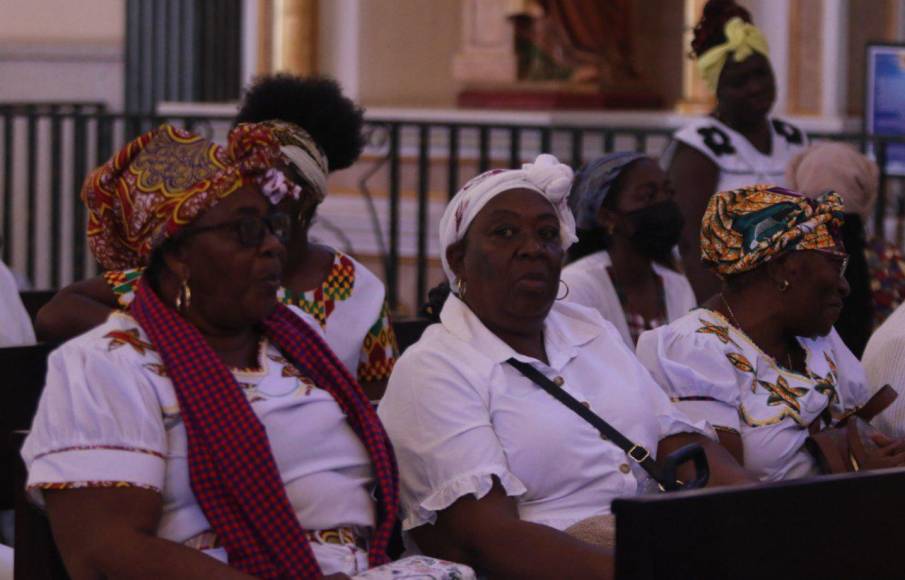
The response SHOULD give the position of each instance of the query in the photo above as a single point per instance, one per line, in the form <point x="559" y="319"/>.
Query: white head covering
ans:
<point x="547" y="176"/>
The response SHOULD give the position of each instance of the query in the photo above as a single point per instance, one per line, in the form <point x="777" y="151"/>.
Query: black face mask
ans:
<point x="656" y="228"/>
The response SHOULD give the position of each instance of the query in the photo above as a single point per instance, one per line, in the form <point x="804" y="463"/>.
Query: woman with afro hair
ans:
<point x="738" y="143"/>
<point x="342" y="295"/>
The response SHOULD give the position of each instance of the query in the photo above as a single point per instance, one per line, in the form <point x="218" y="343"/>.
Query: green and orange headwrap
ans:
<point x="744" y="228"/>
<point x="161" y="181"/>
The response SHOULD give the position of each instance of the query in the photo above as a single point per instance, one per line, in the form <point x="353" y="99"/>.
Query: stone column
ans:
<point x="295" y="36"/>
<point x="835" y="58"/>
<point x="772" y="18"/>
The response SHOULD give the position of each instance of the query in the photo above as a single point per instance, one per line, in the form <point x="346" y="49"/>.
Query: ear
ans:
<point x="455" y="255"/>
<point x="784" y="270"/>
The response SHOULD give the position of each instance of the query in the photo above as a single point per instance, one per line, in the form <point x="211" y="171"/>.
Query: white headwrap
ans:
<point x="547" y="176"/>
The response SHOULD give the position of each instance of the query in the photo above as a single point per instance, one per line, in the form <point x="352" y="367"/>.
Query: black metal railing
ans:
<point x="47" y="151"/>
<point x="182" y="50"/>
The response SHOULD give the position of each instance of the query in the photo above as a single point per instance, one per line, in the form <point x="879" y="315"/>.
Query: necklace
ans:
<point x="734" y="321"/>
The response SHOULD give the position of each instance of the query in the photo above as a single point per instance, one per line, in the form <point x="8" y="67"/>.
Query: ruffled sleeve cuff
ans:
<point x="711" y="411"/>
<point x="477" y="484"/>
<point x="95" y="466"/>
<point x="674" y="424"/>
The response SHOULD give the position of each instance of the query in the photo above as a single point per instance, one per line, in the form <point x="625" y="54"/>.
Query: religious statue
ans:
<point x="579" y="41"/>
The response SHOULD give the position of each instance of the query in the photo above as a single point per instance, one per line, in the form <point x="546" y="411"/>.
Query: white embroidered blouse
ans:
<point x="714" y="372"/>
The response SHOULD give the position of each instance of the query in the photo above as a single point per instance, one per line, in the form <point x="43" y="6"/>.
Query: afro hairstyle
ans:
<point x="317" y="105"/>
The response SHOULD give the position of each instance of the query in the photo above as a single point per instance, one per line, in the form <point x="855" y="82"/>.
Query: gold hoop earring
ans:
<point x="184" y="297"/>
<point x="460" y="288"/>
<point x="784" y="285"/>
<point x="563" y="297"/>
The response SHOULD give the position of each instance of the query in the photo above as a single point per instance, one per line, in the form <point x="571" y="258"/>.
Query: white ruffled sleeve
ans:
<point x="442" y="434"/>
<point x="695" y="372"/>
<point x="98" y="424"/>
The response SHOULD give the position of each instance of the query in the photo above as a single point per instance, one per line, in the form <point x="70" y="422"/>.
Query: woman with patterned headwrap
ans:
<point x="625" y="201"/>
<point x="209" y="424"/>
<point x="761" y="361"/>
<point x="493" y="469"/>
<point x="739" y="143"/>
<point x="323" y="133"/>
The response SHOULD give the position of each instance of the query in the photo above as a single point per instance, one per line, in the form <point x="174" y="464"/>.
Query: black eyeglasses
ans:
<point x="251" y="230"/>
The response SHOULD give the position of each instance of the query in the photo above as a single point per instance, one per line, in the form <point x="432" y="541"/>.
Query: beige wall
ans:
<point x="405" y="52"/>
<point x="95" y="21"/>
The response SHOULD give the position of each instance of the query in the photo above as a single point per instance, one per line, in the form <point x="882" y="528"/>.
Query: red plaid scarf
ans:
<point x="233" y="473"/>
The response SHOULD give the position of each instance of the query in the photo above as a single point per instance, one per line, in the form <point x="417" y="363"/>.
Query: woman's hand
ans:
<point x="889" y="452"/>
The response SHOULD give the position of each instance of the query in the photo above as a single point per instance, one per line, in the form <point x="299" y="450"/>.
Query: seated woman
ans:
<point x="761" y="361"/>
<point x="179" y="434"/>
<point x="624" y="204"/>
<point x="345" y="297"/>
<point x="493" y="468"/>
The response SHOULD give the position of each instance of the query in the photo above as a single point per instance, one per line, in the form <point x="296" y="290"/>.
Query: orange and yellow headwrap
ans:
<point x="744" y="228"/>
<point x="160" y="182"/>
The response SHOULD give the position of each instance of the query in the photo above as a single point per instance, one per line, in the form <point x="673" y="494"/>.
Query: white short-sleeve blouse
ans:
<point x="590" y="285"/>
<point x="109" y="417"/>
<point x="714" y="372"/>
<point x="458" y="415"/>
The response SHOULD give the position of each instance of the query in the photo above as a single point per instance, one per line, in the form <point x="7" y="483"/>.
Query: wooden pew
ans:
<point x="840" y="526"/>
<point x="23" y="369"/>
<point x="33" y="300"/>
<point x="408" y="331"/>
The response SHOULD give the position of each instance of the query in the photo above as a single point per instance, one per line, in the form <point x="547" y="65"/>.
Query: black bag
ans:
<point x="664" y="475"/>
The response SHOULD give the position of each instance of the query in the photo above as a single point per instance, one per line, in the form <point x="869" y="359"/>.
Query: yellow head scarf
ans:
<point x="742" y="40"/>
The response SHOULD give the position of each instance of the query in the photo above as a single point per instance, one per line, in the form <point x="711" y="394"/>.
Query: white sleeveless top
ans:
<point x="739" y="162"/>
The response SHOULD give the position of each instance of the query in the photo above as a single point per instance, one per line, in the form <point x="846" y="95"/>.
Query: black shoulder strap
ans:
<point x="638" y="453"/>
